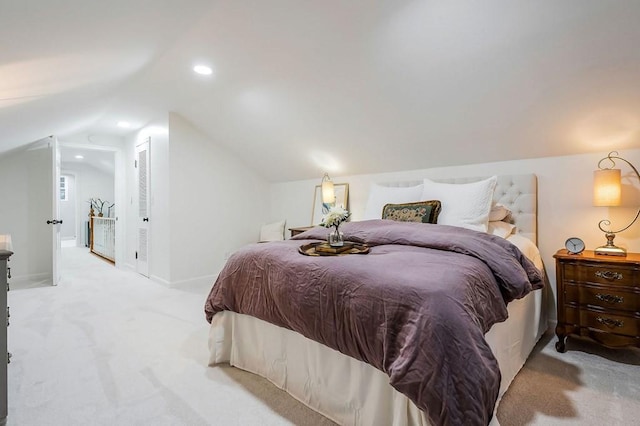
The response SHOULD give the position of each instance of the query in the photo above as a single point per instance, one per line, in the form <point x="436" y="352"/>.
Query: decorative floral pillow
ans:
<point x="422" y="211"/>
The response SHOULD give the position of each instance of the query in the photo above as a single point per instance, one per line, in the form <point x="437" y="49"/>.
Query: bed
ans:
<point x="351" y="391"/>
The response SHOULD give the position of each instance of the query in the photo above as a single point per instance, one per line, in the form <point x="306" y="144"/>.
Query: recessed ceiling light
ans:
<point x="79" y="157"/>
<point x="203" y="70"/>
<point x="124" y="124"/>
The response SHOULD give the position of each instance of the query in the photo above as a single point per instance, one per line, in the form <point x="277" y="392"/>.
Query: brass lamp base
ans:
<point x="610" y="249"/>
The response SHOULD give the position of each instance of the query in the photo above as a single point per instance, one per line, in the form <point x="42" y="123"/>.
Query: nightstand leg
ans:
<point x="560" y="346"/>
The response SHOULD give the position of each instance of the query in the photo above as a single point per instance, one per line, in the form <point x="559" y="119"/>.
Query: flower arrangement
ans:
<point x="334" y="217"/>
<point x="96" y="204"/>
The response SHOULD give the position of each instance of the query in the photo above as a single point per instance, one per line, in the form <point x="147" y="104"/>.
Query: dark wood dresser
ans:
<point x="598" y="297"/>
<point x="4" y="287"/>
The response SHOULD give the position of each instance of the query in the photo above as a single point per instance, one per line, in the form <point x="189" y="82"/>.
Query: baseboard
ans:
<point x="32" y="280"/>
<point x="197" y="282"/>
<point x="203" y="281"/>
<point x="160" y="280"/>
<point x="128" y="267"/>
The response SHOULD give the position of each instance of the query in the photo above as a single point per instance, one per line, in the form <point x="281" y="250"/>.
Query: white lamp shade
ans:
<point x="5" y="242"/>
<point x="606" y="187"/>
<point x="328" y="193"/>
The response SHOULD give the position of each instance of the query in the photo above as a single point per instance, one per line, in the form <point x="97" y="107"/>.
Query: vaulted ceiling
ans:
<point x="350" y="87"/>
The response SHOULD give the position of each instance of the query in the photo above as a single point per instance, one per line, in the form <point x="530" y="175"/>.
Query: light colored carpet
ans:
<point x="587" y="385"/>
<point x="109" y="347"/>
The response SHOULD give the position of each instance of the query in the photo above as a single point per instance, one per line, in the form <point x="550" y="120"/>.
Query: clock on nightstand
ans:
<point x="574" y="245"/>
<point x="598" y="297"/>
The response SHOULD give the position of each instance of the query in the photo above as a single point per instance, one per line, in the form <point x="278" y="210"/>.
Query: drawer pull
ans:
<point x="610" y="298"/>
<point x="611" y="323"/>
<point x="609" y="275"/>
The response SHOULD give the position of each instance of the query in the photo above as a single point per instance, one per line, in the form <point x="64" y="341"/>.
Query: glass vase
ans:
<point x="335" y="238"/>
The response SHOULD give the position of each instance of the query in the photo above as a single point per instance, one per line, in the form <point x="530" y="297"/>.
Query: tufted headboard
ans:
<point x="519" y="193"/>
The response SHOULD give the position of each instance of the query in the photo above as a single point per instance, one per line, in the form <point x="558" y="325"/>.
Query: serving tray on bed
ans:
<point x="324" y="249"/>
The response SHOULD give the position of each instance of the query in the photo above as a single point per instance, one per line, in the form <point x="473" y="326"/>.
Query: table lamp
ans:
<point x="328" y="192"/>
<point x="607" y="192"/>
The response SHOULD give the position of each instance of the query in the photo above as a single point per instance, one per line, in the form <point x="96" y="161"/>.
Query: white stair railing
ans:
<point x="103" y="237"/>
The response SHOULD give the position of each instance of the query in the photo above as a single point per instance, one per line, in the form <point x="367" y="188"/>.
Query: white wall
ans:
<point x="218" y="204"/>
<point x="564" y="199"/>
<point x="205" y="203"/>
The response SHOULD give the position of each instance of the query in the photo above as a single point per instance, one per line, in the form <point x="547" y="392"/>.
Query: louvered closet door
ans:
<point x="144" y="195"/>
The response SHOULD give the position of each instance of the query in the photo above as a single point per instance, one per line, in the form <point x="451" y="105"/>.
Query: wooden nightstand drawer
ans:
<point x="600" y="296"/>
<point x="602" y="274"/>
<point x="607" y="322"/>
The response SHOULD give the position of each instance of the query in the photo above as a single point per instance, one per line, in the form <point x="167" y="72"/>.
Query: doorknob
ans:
<point x="145" y="219"/>
<point x="54" y="222"/>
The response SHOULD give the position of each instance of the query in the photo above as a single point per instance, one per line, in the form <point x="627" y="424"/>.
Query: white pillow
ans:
<point x="381" y="195"/>
<point x="272" y="232"/>
<point x="498" y="212"/>
<point x="466" y="205"/>
<point x="501" y="229"/>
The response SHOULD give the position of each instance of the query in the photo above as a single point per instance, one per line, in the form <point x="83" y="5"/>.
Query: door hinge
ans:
<point x="135" y="163"/>
<point x="136" y="255"/>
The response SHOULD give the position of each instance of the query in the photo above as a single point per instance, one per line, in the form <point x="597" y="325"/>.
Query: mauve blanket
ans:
<point x="416" y="307"/>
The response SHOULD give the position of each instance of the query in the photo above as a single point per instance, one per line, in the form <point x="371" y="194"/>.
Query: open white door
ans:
<point x="56" y="221"/>
<point x="142" y="173"/>
<point x="32" y="189"/>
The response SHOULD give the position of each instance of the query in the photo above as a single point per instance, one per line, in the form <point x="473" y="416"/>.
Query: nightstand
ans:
<point x="598" y="297"/>
<point x="299" y="230"/>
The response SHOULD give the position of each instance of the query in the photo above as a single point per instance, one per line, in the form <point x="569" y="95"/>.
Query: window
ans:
<point x="63" y="188"/>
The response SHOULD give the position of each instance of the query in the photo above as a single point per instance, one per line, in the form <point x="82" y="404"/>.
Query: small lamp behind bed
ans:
<point x="607" y="193"/>
<point x="328" y="191"/>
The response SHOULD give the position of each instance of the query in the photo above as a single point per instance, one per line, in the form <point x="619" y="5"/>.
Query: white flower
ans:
<point x="335" y="217"/>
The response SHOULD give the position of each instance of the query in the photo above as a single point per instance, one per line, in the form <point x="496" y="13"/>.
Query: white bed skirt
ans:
<point x="342" y="388"/>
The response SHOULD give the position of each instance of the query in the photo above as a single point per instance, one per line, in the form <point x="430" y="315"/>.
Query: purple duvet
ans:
<point x="416" y="307"/>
